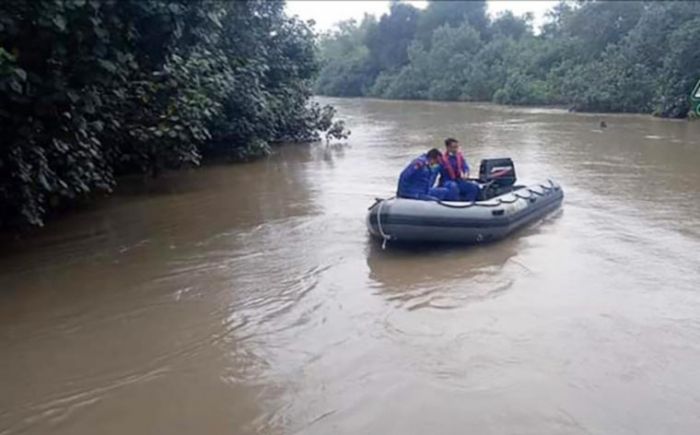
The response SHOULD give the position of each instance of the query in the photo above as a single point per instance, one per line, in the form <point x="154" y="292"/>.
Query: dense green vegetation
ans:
<point x="91" y="89"/>
<point x="592" y="56"/>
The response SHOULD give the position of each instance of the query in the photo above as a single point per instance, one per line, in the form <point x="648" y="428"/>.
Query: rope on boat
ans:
<point x="385" y="237"/>
<point x="501" y="201"/>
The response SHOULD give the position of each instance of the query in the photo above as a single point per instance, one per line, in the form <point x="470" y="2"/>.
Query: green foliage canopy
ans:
<point x="589" y="55"/>
<point x="90" y="89"/>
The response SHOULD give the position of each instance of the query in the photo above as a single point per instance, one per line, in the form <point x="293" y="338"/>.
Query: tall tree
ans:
<point x="453" y="14"/>
<point x="388" y="42"/>
<point x="591" y="55"/>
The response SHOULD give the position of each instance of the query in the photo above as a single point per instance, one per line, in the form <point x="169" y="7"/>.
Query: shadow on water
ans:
<point x="404" y="267"/>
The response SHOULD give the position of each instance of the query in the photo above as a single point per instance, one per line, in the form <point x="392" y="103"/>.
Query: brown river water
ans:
<point x="249" y="299"/>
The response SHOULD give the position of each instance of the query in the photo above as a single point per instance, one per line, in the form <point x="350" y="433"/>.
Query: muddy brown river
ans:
<point x="249" y="299"/>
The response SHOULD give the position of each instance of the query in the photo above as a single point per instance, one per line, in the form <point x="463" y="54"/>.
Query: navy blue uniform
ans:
<point x="417" y="181"/>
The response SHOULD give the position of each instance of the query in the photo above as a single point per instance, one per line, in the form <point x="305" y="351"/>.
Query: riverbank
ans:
<point x="167" y="182"/>
<point x="553" y="108"/>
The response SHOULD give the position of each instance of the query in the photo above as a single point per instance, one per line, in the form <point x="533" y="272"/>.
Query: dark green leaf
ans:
<point x="60" y="22"/>
<point x="108" y="65"/>
<point x="22" y="74"/>
<point x="15" y="85"/>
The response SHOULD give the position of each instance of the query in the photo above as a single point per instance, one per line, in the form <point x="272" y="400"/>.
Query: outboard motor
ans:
<point x="497" y="177"/>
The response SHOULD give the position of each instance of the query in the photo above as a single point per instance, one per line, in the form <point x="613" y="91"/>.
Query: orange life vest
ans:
<point x="445" y="162"/>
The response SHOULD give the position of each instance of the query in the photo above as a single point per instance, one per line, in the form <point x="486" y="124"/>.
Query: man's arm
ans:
<point x="434" y="176"/>
<point x="465" y="169"/>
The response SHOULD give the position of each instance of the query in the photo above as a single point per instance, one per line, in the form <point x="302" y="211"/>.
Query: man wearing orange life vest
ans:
<point x="454" y="169"/>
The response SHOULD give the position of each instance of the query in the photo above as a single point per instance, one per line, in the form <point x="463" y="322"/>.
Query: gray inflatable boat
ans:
<point x="410" y="220"/>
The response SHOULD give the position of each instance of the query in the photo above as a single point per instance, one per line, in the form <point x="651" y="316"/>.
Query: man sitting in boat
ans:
<point x="455" y="170"/>
<point x="418" y="178"/>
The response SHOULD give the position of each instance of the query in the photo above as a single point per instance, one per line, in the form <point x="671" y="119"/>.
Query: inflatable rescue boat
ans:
<point x="502" y="208"/>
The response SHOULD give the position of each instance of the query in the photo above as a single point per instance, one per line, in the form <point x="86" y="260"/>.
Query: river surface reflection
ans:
<point x="249" y="299"/>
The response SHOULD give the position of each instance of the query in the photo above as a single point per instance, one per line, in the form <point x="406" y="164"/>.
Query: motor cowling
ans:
<point x="497" y="172"/>
<point x="497" y="176"/>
